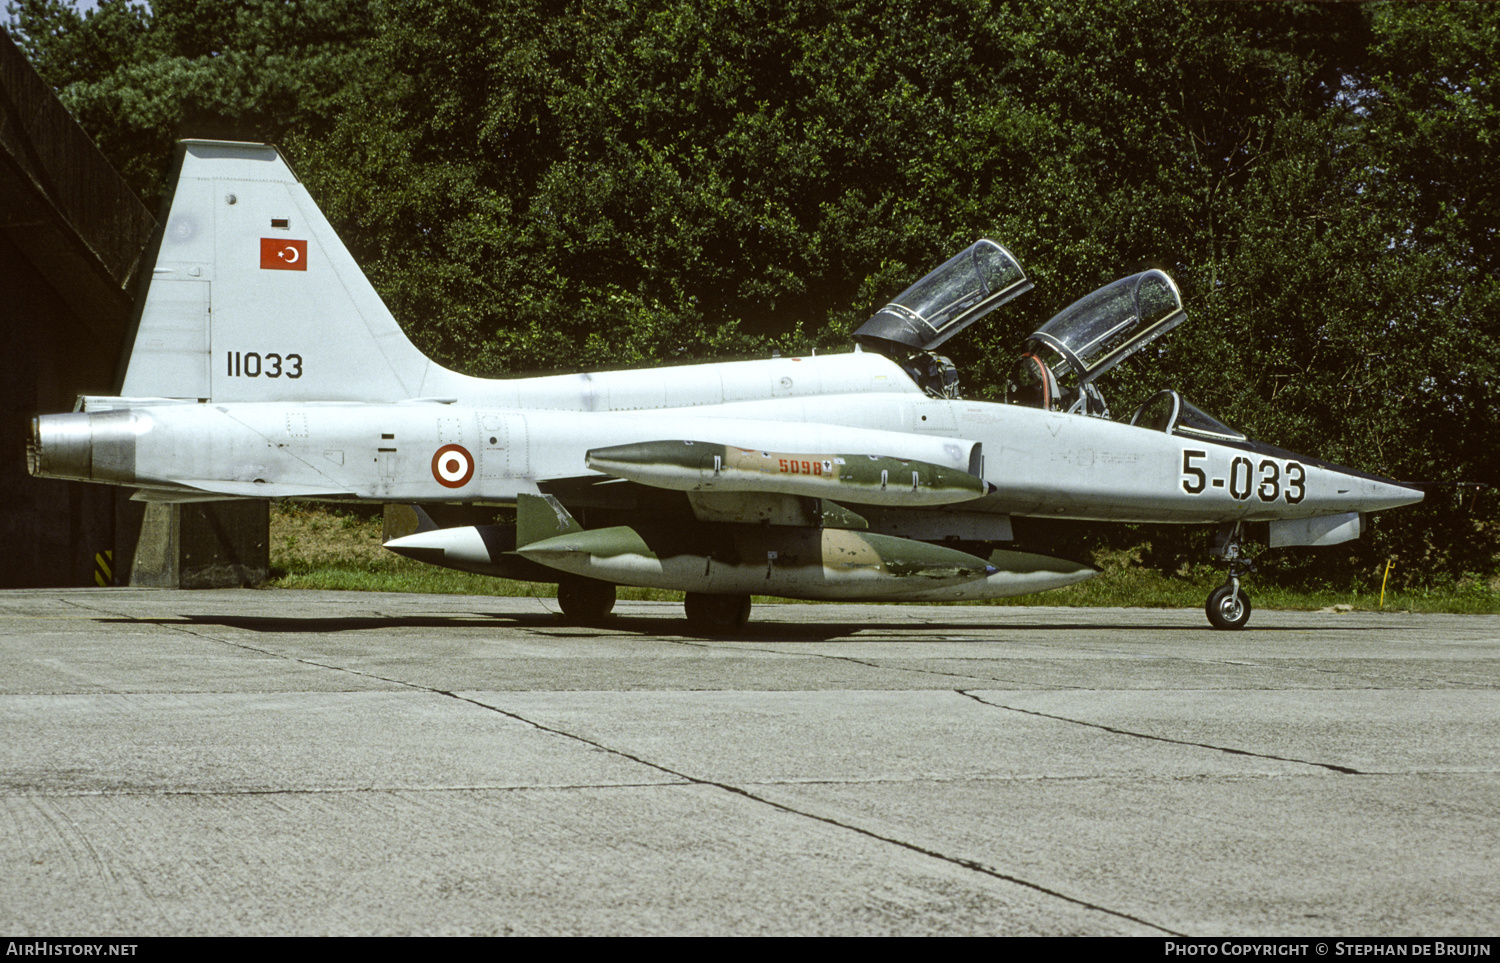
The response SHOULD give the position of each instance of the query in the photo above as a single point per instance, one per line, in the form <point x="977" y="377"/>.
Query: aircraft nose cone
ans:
<point x="1402" y="495"/>
<point x="1320" y="487"/>
<point x="1374" y="493"/>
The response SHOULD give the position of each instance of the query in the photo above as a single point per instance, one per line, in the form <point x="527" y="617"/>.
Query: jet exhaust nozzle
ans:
<point x="79" y="446"/>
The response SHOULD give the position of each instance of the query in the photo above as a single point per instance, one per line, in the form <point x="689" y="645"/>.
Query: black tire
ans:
<point x="717" y="613"/>
<point x="585" y="601"/>
<point x="1226" y="610"/>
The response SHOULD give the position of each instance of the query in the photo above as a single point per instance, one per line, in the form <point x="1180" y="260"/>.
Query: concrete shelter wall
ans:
<point x="72" y="236"/>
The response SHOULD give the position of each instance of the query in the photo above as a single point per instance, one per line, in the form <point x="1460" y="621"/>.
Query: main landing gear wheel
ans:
<point x="1228" y="607"/>
<point x="717" y="613"/>
<point x="585" y="601"/>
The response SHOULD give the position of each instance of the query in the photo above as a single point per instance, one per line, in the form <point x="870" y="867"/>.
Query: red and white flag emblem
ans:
<point x="279" y="254"/>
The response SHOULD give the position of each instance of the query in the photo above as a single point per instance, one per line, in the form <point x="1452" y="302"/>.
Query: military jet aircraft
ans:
<point x="264" y="365"/>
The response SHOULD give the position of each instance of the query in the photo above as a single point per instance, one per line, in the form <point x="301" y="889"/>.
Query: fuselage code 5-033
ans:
<point x="1277" y="479"/>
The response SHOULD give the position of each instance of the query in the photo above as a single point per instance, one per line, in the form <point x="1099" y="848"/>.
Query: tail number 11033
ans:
<point x="253" y="364"/>
<point x="1269" y="480"/>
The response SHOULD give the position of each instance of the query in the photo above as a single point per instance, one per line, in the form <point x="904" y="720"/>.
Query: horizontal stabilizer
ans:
<point x="771" y="508"/>
<point x="207" y="490"/>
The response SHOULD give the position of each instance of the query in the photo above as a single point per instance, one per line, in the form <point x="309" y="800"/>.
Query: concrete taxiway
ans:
<point x="284" y="762"/>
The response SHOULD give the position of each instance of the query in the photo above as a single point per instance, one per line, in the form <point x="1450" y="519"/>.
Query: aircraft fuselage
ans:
<point x="1040" y="463"/>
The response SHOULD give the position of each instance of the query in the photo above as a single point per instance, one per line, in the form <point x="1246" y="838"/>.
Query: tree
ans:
<point x="541" y="186"/>
<point x="611" y="182"/>
<point x="138" y="76"/>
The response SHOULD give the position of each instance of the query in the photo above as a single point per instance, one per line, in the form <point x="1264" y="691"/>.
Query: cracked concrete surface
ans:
<point x="347" y="763"/>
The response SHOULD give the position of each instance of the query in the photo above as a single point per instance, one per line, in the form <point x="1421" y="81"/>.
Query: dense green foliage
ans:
<point x="551" y="185"/>
<point x="137" y="77"/>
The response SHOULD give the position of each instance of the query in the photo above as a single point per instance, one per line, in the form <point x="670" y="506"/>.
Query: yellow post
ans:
<point x="1388" y="566"/>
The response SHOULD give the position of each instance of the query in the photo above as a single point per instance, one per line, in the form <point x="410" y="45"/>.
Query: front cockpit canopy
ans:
<point x="964" y="289"/>
<point x="1100" y="330"/>
<point x="1167" y="411"/>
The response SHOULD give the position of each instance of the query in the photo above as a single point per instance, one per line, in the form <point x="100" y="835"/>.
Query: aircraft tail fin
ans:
<point x="253" y="297"/>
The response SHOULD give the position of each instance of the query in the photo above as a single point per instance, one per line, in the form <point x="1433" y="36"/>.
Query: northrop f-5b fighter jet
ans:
<point x="265" y="365"/>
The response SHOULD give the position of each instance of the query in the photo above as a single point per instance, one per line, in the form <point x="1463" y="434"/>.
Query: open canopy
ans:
<point x="960" y="292"/>
<point x="1100" y="330"/>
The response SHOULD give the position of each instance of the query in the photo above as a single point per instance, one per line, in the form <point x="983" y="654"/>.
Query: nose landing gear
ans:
<point x="1228" y="606"/>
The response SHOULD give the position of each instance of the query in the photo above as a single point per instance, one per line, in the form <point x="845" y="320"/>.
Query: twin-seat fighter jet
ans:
<point x="266" y="366"/>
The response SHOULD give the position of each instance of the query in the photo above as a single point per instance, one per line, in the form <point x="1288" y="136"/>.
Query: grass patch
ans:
<point x="340" y="550"/>
<point x="1123" y="581"/>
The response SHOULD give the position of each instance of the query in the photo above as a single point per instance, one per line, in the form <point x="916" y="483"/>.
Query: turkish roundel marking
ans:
<point x="280" y="254"/>
<point x="453" y="466"/>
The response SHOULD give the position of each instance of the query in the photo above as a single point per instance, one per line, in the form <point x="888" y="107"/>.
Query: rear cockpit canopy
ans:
<point x="964" y="289"/>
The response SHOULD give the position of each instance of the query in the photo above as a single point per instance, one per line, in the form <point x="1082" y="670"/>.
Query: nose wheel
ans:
<point x="1228" y="606"/>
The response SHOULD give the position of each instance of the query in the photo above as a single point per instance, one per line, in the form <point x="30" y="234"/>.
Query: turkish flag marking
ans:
<point x="279" y="254"/>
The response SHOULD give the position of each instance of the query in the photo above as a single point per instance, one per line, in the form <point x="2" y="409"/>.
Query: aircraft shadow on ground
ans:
<point x="544" y="623"/>
<point x="550" y="624"/>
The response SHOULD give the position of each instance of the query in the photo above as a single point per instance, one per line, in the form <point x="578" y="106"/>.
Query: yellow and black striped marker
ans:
<point x="104" y="568"/>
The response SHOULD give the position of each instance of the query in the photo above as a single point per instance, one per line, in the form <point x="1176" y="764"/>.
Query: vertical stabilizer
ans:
<point x="254" y="298"/>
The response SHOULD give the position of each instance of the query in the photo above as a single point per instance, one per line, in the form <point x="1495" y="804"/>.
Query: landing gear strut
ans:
<point x="585" y="601"/>
<point x="1228" y="606"/>
<point x="717" y="613"/>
